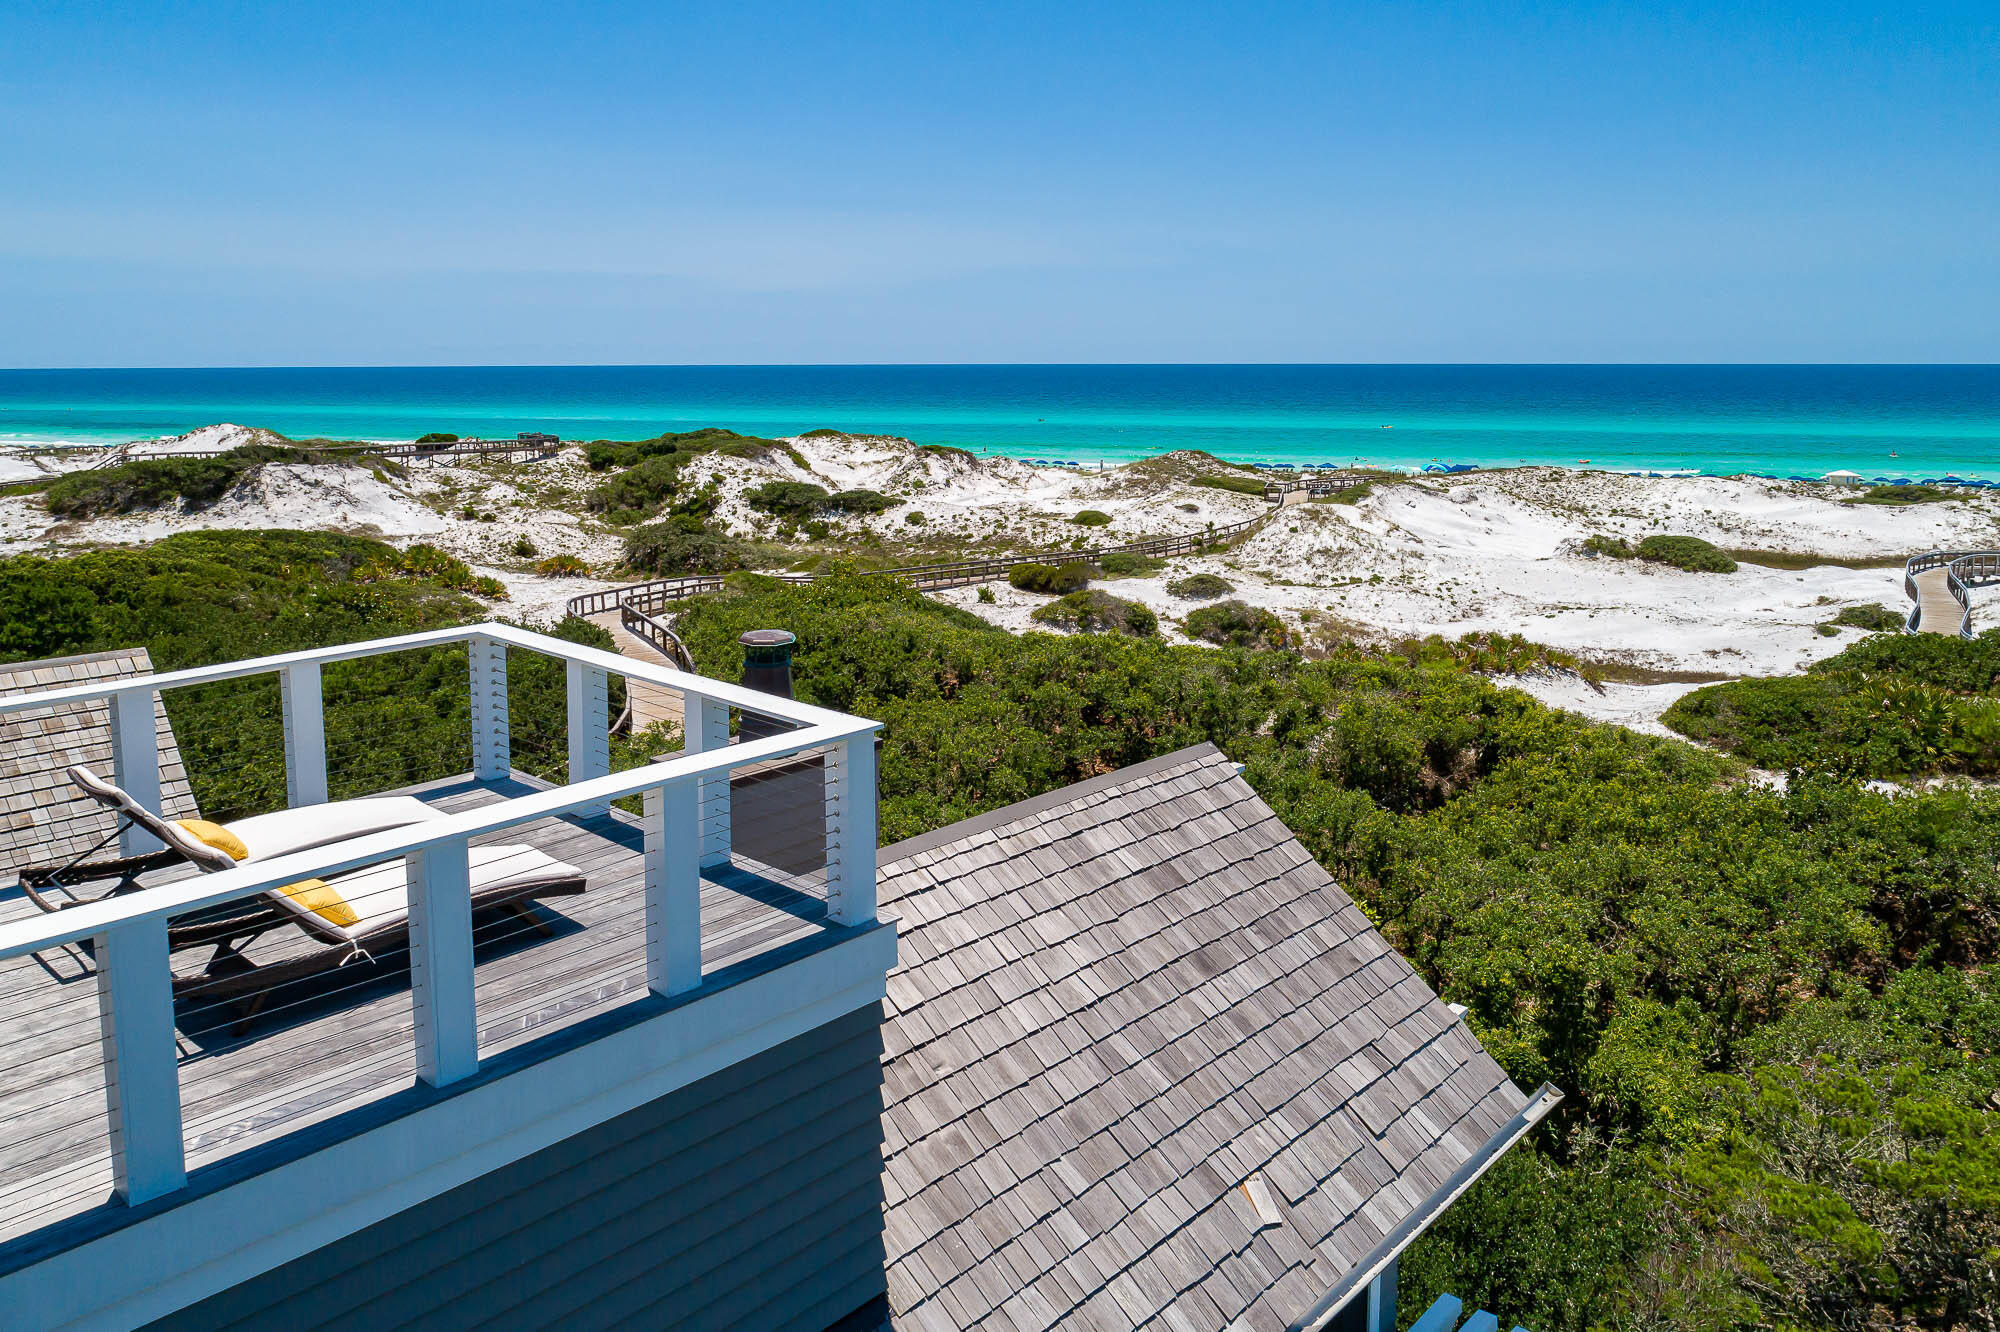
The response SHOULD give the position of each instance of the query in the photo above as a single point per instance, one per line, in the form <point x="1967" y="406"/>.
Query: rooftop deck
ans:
<point x="327" y="1047"/>
<point x="127" y="1092"/>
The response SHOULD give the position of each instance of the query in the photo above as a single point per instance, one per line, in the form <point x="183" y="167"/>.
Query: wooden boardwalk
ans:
<point x="1939" y="611"/>
<point x="342" y="1043"/>
<point x="650" y="703"/>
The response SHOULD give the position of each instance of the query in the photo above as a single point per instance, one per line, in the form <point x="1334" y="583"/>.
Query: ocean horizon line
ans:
<point x="1723" y="418"/>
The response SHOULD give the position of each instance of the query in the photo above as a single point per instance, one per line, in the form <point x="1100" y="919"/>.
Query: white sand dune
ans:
<point x="1486" y="551"/>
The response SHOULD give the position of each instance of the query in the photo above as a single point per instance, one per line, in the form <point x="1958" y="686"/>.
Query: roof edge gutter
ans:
<point x="1416" y="1223"/>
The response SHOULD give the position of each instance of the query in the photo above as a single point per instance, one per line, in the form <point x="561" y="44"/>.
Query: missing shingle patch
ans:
<point x="1259" y="1194"/>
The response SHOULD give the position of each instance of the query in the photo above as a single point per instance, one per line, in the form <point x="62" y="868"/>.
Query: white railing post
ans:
<point x="135" y="1008"/>
<point x="850" y="831"/>
<point x="589" y="728"/>
<point x="705" y="730"/>
<point x="305" y="734"/>
<point x="135" y="763"/>
<point x="673" y="887"/>
<point x="441" y="999"/>
<point x="491" y="749"/>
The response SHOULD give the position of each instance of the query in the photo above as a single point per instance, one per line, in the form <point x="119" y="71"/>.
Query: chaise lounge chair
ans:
<point x="357" y="916"/>
<point x="213" y="846"/>
<point x="351" y="916"/>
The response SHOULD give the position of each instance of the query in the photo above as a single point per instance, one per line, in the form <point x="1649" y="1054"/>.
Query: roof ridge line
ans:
<point x="1023" y="809"/>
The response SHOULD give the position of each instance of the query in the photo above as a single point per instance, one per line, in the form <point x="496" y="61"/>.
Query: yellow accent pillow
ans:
<point x="315" y="896"/>
<point x="216" y="836"/>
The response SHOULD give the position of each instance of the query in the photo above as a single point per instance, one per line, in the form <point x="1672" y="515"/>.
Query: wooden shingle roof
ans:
<point x="43" y="818"/>
<point x="1113" y="1005"/>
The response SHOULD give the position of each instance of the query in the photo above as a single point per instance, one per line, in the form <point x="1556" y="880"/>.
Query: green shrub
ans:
<point x="1091" y="518"/>
<point x="523" y="548"/>
<point x="1242" y="485"/>
<point x="794" y="501"/>
<point x="1875" y="619"/>
<point x="562" y="566"/>
<point x="946" y="451"/>
<point x="607" y="454"/>
<point x="915" y="518"/>
<point x="1597" y="543"/>
<point x="1353" y="494"/>
<point x="641" y="488"/>
<point x="1236" y="624"/>
<point x="985" y="596"/>
<point x="1685" y="552"/>
<point x="1094" y="611"/>
<point x="1904" y="495"/>
<point x="1049" y="579"/>
<point x="1873" y="725"/>
<point x="1201" y="587"/>
<point x="437" y="437"/>
<point x="1491" y="653"/>
<point x="671" y="548"/>
<point x="1124" y="564"/>
<point x="1945" y="661"/>
<point x="860" y="501"/>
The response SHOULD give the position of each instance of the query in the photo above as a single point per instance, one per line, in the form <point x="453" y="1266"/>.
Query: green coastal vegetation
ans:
<point x="150" y="483"/>
<point x="1201" y="587"/>
<point x="203" y="597"/>
<point x="1691" y="554"/>
<point x="1053" y="580"/>
<point x="1241" y="485"/>
<point x="1914" y="494"/>
<point x="1237" y="624"/>
<point x="1093" y="611"/>
<point x="1891" y="706"/>
<point x="1772" y="1012"/>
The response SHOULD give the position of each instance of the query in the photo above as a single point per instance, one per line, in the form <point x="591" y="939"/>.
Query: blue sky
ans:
<point x="210" y="184"/>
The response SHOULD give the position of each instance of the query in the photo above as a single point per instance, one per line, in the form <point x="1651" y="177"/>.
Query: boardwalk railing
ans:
<point x="661" y="593"/>
<point x="1964" y="570"/>
<point x="656" y="634"/>
<point x="686" y="827"/>
<point x="1320" y="483"/>
<point x="530" y="446"/>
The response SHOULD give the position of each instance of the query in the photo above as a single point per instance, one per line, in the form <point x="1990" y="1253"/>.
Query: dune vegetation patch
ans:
<point x="1241" y="485"/>
<point x="1094" y="611"/>
<point x="1125" y="564"/>
<point x="1201" y="587"/>
<point x="154" y="483"/>
<point x="1237" y="624"/>
<point x="1893" y="706"/>
<point x="1048" y="579"/>
<point x="1894" y="494"/>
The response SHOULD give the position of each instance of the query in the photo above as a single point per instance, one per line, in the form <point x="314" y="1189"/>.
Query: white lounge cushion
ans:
<point x="380" y="894"/>
<point x="301" y="829"/>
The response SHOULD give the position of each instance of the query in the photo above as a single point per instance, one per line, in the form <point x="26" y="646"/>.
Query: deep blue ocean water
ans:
<point x="1879" y="420"/>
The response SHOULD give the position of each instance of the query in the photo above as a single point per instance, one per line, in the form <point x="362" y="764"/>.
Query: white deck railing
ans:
<point x="136" y="1002"/>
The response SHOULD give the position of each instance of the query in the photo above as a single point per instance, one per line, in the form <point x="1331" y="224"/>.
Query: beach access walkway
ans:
<point x="1940" y="582"/>
<point x="645" y="704"/>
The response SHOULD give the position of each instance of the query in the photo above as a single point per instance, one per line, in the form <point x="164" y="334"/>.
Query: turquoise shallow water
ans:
<point x="1895" y="421"/>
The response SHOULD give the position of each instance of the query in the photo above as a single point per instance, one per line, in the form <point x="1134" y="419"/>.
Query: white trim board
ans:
<point x="185" y="1254"/>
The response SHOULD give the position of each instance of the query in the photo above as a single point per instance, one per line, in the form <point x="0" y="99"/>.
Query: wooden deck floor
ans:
<point x="327" y="1047"/>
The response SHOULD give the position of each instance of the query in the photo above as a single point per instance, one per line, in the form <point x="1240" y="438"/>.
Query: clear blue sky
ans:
<point x="210" y="184"/>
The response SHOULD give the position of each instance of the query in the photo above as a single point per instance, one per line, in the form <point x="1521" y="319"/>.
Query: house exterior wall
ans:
<point x="751" y="1198"/>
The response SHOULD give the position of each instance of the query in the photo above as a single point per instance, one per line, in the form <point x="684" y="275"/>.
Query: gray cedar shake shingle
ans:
<point x="44" y="819"/>
<point x="1113" y="1004"/>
